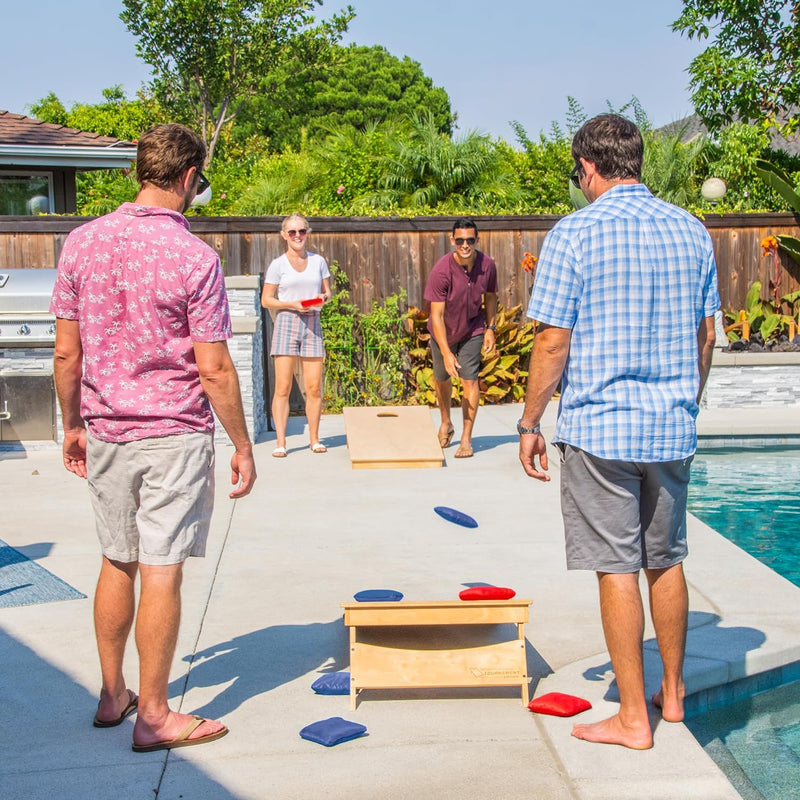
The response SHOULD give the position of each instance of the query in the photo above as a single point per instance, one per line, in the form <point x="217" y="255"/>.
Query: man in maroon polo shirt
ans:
<point x="462" y="291"/>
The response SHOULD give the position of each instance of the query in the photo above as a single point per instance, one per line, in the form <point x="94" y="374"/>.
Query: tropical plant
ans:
<point x="428" y="171"/>
<point x="780" y="182"/>
<point x="366" y="353"/>
<point x="671" y="165"/>
<point x="763" y="321"/>
<point x="502" y="376"/>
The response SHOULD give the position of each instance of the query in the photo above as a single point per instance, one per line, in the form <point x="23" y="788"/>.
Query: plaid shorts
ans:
<point x="297" y="334"/>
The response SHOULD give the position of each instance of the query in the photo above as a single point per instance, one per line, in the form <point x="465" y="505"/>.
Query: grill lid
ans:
<point x="26" y="291"/>
<point x="25" y="318"/>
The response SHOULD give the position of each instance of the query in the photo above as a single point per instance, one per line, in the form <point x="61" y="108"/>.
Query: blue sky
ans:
<point x="518" y="59"/>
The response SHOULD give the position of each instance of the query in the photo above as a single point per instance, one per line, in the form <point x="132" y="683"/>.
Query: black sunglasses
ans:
<point x="470" y="240"/>
<point x="299" y="232"/>
<point x="203" y="183"/>
<point x="575" y="176"/>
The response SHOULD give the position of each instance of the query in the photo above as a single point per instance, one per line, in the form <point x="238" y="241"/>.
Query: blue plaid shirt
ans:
<point x="632" y="277"/>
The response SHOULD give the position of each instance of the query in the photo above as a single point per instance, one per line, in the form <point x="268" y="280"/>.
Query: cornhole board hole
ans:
<point x="390" y="647"/>
<point x="392" y="437"/>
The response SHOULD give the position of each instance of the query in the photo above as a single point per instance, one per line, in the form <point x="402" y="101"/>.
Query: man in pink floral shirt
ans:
<point x="141" y="357"/>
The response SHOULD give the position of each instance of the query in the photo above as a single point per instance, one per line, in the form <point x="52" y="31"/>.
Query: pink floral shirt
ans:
<point x="143" y="289"/>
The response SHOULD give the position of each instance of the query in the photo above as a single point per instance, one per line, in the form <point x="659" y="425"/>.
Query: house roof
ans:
<point x="31" y="142"/>
<point x="691" y="127"/>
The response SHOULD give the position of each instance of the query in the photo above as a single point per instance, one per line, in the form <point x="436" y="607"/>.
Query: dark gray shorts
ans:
<point x="622" y="516"/>
<point x="468" y="355"/>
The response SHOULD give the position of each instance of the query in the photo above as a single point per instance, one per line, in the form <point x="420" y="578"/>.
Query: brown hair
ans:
<point x="613" y="144"/>
<point x="165" y="152"/>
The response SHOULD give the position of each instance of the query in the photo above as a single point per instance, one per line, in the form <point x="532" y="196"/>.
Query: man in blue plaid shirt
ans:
<point x="625" y="295"/>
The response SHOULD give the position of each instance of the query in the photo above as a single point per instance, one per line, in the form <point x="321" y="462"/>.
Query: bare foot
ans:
<point x="446" y="431"/>
<point x="173" y="726"/>
<point x="464" y="450"/>
<point x="671" y="705"/>
<point x="112" y="710"/>
<point x="614" y="731"/>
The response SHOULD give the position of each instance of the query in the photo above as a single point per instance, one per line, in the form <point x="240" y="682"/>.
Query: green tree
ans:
<point x="751" y="70"/>
<point x="117" y="116"/>
<point x="369" y="84"/>
<point x="357" y="86"/>
<point x="49" y="109"/>
<point x="543" y="169"/>
<point x="210" y="56"/>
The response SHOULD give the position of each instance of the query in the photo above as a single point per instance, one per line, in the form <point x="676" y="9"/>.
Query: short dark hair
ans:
<point x="613" y="144"/>
<point x="465" y="222"/>
<point x="165" y="152"/>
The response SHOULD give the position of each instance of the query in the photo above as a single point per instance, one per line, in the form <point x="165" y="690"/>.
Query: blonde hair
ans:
<point x="285" y="223"/>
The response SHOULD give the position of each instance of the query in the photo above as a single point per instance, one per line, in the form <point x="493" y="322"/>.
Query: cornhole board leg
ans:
<point x="392" y="437"/>
<point x="385" y="666"/>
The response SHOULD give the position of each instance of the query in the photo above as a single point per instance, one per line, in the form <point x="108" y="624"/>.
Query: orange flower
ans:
<point x="529" y="262"/>
<point x="770" y="245"/>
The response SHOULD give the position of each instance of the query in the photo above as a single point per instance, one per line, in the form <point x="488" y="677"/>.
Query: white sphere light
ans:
<point x="713" y="189"/>
<point x="202" y="199"/>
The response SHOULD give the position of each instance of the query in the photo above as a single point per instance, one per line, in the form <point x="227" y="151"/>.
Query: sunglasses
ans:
<point x="575" y="176"/>
<point x="470" y="241"/>
<point x="203" y="183"/>
<point x="300" y="232"/>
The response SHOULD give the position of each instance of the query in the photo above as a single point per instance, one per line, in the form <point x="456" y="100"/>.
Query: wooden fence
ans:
<point x="382" y="255"/>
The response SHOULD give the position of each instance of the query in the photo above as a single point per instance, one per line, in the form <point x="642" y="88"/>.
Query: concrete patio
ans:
<point x="262" y="620"/>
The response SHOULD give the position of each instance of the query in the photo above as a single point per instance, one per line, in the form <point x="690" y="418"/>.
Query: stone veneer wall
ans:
<point x="753" y="380"/>
<point x="246" y="348"/>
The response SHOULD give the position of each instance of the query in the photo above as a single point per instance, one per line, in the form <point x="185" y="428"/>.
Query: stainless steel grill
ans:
<point x="25" y="320"/>
<point x="27" y="337"/>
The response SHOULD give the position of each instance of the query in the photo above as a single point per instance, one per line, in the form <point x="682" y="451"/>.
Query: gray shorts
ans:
<point x="468" y="354"/>
<point x="621" y="516"/>
<point x="152" y="498"/>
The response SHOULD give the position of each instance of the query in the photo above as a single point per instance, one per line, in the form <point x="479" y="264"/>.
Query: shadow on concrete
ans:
<point x="483" y="443"/>
<point x="50" y="749"/>
<point x="260" y="661"/>
<point x="705" y="639"/>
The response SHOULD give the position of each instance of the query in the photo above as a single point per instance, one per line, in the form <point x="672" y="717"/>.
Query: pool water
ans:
<point x="756" y="742"/>
<point x="752" y="497"/>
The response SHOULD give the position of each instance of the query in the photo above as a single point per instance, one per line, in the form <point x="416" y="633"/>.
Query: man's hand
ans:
<point x="451" y="364"/>
<point x="488" y="340"/>
<point x="532" y="445"/>
<point x="74" y="450"/>
<point x="243" y="473"/>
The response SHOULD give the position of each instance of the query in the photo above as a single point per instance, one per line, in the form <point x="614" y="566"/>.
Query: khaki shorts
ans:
<point x="152" y="498"/>
<point x="622" y="516"/>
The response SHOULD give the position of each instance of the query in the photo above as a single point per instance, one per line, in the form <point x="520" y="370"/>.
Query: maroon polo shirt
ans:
<point x="462" y="294"/>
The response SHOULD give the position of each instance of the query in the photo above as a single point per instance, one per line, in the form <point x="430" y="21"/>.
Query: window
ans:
<point x="26" y="194"/>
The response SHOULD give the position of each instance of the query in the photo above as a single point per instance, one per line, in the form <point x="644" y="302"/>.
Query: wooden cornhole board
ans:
<point x="444" y="660"/>
<point x="392" y="437"/>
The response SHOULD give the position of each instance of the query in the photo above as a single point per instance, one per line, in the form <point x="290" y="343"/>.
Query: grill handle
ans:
<point x="5" y="414"/>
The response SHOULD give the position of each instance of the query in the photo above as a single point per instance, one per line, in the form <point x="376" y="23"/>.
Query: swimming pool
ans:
<point x="752" y="497"/>
<point x="756" y="742"/>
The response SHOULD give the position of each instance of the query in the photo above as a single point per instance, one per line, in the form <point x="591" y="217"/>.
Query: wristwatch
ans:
<point x="523" y="431"/>
<point x="491" y="327"/>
